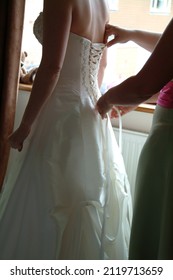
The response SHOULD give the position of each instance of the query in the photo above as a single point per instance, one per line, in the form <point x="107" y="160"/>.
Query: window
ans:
<point x="160" y="6"/>
<point x="29" y="42"/>
<point x="113" y="5"/>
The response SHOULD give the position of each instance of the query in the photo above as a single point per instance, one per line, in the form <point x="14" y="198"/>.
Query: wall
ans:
<point x="136" y="14"/>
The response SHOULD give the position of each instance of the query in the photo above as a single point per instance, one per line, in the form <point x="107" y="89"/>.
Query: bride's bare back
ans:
<point x="89" y="19"/>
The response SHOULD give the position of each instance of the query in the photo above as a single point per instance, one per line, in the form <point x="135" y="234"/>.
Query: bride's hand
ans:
<point x="17" y="138"/>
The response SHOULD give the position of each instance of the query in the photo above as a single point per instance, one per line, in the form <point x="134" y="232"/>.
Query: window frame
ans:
<point x="160" y="10"/>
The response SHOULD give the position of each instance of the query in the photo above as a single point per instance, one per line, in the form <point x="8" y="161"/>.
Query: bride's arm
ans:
<point x="57" y="17"/>
<point x="56" y="29"/>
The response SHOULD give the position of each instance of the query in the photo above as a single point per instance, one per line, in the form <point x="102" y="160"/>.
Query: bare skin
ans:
<point x="86" y="18"/>
<point x="144" y="39"/>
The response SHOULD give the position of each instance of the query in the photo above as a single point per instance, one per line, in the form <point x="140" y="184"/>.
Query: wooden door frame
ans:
<point x="11" y="30"/>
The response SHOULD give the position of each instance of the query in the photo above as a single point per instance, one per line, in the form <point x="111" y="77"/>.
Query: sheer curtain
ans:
<point x="11" y="28"/>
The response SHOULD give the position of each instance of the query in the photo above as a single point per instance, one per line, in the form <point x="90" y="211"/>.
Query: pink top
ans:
<point x="165" y="98"/>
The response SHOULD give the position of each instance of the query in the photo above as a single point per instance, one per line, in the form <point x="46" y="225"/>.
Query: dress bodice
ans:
<point x="81" y="65"/>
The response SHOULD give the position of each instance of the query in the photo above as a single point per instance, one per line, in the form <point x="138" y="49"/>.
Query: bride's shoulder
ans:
<point x="38" y="27"/>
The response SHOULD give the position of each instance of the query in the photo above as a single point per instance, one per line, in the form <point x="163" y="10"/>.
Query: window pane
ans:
<point x="160" y="6"/>
<point x="113" y="5"/>
<point x="29" y="42"/>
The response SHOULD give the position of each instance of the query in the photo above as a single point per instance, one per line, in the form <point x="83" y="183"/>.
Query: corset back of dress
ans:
<point x="81" y="66"/>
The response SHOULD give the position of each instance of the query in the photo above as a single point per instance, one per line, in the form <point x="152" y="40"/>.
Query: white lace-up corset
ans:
<point x="91" y="56"/>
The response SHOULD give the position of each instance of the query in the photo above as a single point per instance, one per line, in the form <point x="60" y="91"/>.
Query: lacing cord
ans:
<point x="108" y="168"/>
<point x="120" y="128"/>
<point x="94" y="58"/>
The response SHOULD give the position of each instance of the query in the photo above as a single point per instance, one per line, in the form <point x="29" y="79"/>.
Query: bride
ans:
<point x="70" y="196"/>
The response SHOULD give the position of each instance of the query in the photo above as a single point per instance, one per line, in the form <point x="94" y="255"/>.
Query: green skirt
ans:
<point x="152" y="226"/>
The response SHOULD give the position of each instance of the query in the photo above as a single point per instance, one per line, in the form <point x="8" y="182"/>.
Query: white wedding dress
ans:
<point x="68" y="195"/>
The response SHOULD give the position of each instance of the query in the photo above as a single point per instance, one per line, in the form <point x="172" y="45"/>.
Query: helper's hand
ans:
<point x="120" y="35"/>
<point x="103" y="106"/>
